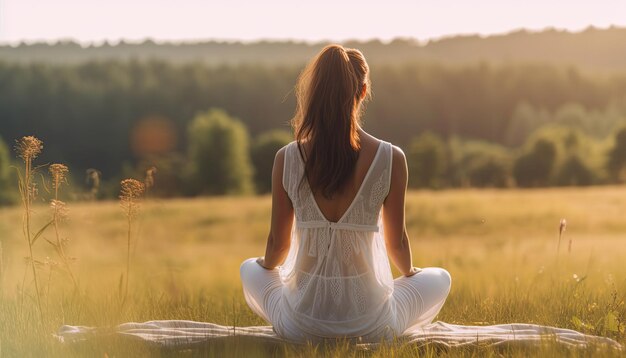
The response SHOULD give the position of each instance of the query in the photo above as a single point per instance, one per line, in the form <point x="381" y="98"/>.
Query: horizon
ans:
<point x="420" y="42"/>
<point x="92" y="23"/>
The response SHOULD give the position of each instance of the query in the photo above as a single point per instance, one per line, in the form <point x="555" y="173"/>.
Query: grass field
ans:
<point x="499" y="246"/>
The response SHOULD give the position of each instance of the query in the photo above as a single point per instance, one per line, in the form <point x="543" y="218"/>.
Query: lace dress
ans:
<point x="336" y="279"/>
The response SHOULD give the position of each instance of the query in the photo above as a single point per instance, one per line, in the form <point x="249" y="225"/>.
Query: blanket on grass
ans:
<point x="181" y="333"/>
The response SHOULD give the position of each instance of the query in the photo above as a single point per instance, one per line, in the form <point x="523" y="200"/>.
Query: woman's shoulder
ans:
<point x="397" y="152"/>
<point x="397" y="156"/>
<point x="281" y="153"/>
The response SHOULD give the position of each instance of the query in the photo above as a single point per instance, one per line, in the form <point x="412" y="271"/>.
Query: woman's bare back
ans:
<point x="334" y="208"/>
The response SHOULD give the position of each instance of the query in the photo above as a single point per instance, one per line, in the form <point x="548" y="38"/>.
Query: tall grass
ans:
<point x="28" y="148"/>
<point x="59" y="213"/>
<point x="130" y="195"/>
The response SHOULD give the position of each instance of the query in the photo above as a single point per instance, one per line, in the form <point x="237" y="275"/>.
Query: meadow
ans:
<point x="500" y="246"/>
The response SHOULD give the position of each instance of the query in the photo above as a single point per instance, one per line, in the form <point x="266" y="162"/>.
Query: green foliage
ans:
<point x="7" y="195"/>
<point x="427" y="161"/>
<point x="479" y="164"/>
<point x="572" y="115"/>
<point x="218" y="153"/>
<point x="573" y="142"/>
<point x="264" y="149"/>
<point x="489" y="173"/>
<point x="534" y="168"/>
<point x="525" y="120"/>
<point x="96" y="105"/>
<point x="574" y="172"/>
<point x="616" y="164"/>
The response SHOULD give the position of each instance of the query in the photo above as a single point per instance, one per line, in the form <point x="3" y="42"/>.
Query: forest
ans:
<point x="466" y="124"/>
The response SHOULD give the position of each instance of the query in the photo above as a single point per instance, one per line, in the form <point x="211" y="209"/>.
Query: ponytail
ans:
<point x="329" y="94"/>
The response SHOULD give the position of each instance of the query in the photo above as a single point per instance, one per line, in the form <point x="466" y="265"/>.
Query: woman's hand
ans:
<point x="413" y="271"/>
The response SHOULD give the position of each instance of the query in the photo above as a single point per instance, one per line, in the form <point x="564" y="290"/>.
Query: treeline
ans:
<point x="222" y="159"/>
<point x="553" y="155"/>
<point x="114" y="116"/>
<point x="592" y="49"/>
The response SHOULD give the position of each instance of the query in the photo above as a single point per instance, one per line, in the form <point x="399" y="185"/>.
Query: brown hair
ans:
<point x="329" y="95"/>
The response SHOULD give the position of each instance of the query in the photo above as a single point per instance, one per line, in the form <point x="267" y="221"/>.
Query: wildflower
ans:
<point x="59" y="174"/>
<point x="28" y="147"/>
<point x="130" y="194"/>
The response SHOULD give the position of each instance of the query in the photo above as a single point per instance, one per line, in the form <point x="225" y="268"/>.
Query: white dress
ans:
<point x="336" y="280"/>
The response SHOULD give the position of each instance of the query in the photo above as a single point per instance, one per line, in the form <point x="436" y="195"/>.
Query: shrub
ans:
<point x="218" y="153"/>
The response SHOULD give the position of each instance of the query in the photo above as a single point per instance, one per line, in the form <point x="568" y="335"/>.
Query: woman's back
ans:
<point x="337" y="276"/>
<point x="333" y="208"/>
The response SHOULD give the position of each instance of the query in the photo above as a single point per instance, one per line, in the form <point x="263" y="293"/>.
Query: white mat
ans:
<point x="179" y="333"/>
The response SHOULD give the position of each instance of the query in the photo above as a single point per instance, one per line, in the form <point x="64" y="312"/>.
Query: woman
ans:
<point x="326" y="274"/>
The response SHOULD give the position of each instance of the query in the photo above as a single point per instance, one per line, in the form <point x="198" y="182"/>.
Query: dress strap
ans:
<point x="334" y="225"/>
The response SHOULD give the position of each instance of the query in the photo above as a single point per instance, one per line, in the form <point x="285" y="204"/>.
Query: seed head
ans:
<point x="131" y="189"/>
<point x="130" y="194"/>
<point x="562" y="226"/>
<point x="59" y="174"/>
<point x="28" y="147"/>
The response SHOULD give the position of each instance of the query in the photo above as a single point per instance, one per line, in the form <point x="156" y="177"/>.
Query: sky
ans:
<point x="93" y="21"/>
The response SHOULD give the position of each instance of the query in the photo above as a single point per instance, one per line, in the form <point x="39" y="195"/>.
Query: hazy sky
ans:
<point x="312" y="20"/>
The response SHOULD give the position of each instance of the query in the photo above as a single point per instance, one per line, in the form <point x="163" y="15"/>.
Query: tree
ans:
<point x="427" y="161"/>
<point x="264" y="149"/>
<point x="525" y="120"/>
<point x="218" y="153"/>
<point x="535" y="168"/>
<point x="478" y="163"/>
<point x="616" y="164"/>
<point x="489" y="173"/>
<point x="574" y="172"/>
<point x="572" y="115"/>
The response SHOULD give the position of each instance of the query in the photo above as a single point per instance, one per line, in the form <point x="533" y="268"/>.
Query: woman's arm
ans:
<point x="396" y="238"/>
<point x="279" y="238"/>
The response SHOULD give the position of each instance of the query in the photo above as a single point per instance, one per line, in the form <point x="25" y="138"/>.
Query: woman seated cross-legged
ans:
<point x="338" y="215"/>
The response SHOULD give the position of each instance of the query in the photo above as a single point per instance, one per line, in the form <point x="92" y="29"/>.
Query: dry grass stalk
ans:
<point x="130" y="197"/>
<point x="59" y="213"/>
<point x="51" y="265"/>
<point x="28" y="148"/>
<point x="1" y="270"/>
<point x="149" y="180"/>
<point x="562" y="227"/>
